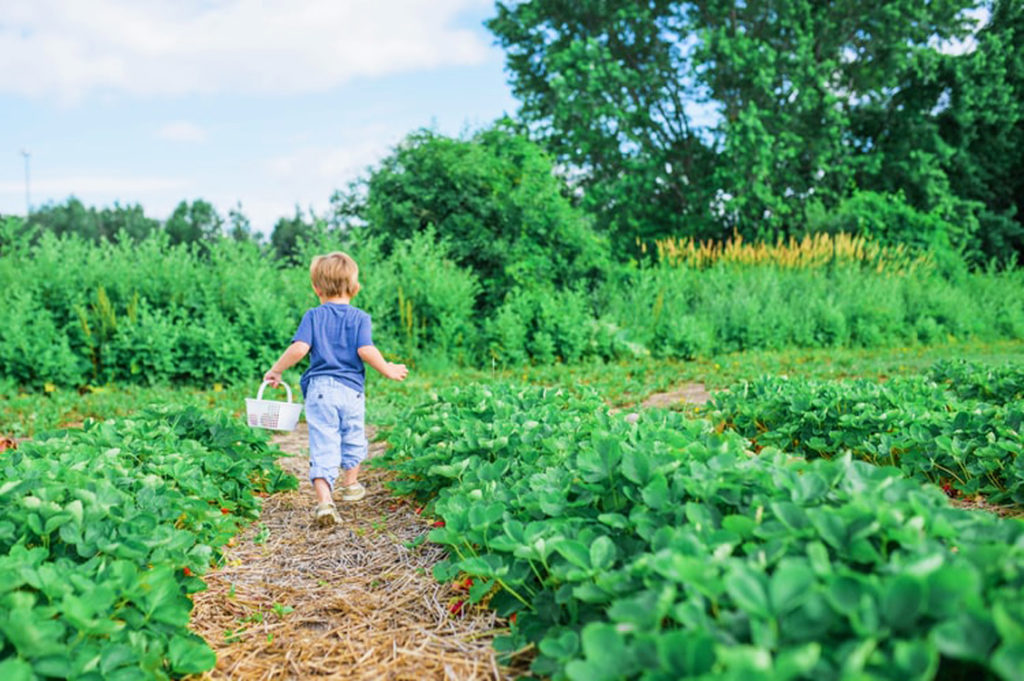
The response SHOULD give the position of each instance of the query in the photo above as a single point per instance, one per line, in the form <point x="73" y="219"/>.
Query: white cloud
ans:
<point x="337" y="164"/>
<point x="181" y="131"/>
<point x="311" y="173"/>
<point x="68" y="48"/>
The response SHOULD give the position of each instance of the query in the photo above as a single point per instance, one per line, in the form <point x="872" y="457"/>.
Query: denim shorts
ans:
<point x="335" y="414"/>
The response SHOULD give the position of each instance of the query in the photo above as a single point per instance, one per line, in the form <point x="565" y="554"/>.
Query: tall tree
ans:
<point x="622" y="90"/>
<point x="982" y="121"/>
<point x="494" y="197"/>
<point x="194" y="222"/>
<point x="288" y="233"/>
<point x="73" y="217"/>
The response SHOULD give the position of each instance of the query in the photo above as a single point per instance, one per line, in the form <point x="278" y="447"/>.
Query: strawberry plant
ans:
<point x="666" y="550"/>
<point x="105" y="532"/>
<point x="995" y="385"/>
<point x="934" y="431"/>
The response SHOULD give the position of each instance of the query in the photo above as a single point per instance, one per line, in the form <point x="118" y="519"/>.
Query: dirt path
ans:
<point x="297" y="602"/>
<point x="690" y="393"/>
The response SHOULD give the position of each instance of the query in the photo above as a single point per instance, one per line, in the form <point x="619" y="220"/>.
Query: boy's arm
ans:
<point x="289" y="358"/>
<point x="371" y="355"/>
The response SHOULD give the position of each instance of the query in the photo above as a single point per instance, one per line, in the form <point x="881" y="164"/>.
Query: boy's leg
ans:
<point x="323" y="491"/>
<point x="353" y="437"/>
<point x="349" y="476"/>
<point x="324" y="441"/>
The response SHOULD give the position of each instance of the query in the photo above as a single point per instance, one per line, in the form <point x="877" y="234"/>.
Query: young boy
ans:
<point x="338" y="338"/>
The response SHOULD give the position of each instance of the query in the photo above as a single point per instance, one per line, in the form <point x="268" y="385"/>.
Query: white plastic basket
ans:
<point x="272" y="414"/>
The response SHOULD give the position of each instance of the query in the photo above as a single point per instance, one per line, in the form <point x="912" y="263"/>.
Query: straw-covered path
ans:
<point x="294" y="601"/>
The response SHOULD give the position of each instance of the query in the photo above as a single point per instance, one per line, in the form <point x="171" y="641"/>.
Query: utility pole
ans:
<point x="28" y="195"/>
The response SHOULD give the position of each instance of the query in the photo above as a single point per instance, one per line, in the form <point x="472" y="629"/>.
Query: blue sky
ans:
<point x="268" y="103"/>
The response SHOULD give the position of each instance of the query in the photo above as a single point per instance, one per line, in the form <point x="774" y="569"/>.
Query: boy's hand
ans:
<point x="397" y="372"/>
<point x="273" y="378"/>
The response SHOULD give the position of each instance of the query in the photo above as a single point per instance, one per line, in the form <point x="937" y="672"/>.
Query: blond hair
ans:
<point x="334" y="274"/>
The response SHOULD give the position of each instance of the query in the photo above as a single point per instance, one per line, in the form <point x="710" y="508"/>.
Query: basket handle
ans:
<point x="259" y="395"/>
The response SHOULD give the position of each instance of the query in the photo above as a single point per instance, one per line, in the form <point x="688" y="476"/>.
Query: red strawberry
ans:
<point x="188" y="573"/>
<point x="439" y="523"/>
<point x="456" y="607"/>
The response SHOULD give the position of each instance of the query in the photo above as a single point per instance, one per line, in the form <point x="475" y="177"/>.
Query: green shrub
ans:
<point x="150" y="312"/>
<point x="33" y="350"/>
<point x="543" y="325"/>
<point x="495" y="197"/>
<point x="890" y="220"/>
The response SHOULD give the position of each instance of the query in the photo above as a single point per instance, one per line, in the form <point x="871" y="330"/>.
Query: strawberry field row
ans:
<point x="959" y="426"/>
<point x="666" y="550"/>
<point x="104" y="533"/>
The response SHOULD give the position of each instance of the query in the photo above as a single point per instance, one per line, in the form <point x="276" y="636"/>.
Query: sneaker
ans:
<point x="327" y="514"/>
<point x="353" y="492"/>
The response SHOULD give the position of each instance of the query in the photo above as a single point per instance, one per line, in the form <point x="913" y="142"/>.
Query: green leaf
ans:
<point x="445" y="571"/>
<point x="916" y="660"/>
<point x="32" y="636"/>
<point x="686" y="653"/>
<point x="190" y="655"/>
<point x="903" y="601"/>
<point x="480" y="589"/>
<point x="76" y="510"/>
<point x="1008" y="660"/>
<point x="818" y="555"/>
<point x="616" y="521"/>
<point x="740" y="524"/>
<point x="791" y="515"/>
<point x="655" y="494"/>
<point x="9" y="486"/>
<point x="605" y="648"/>
<point x="602" y="553"/>
<point x="489" y="565"/>
<point x="1008" y="617"/>
<point x="117" y="655"/>
<point x="744" y="659"/>
<point x="844" y="594"/>
<point x="55" y="666"/>
<point x="562" y="647"/>
<point x="689" y="570"/>
<point x="636" y="466"/>
<point x="598" y="463"/>
<point x="830" y="526"/>
<point x="790" y="585"/>
<point x="747" y="589"/>
<point x="967" y="637"/>
<point x="483" y="517"/>
<point x="16" y="669"/>
<point x="574" y="552"/>
<point x="797" y="662"/>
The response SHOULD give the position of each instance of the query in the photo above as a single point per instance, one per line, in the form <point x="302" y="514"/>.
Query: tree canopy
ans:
<point x="72" y="217"/>
<point x="496" y="200"/>
<point x="704" y="117"/>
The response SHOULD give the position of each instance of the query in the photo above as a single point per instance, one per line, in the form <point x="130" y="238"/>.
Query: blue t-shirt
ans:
<point x="335" y="332"/>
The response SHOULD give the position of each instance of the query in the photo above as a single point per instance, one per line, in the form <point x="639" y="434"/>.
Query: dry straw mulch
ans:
<point x="294" y="601"/>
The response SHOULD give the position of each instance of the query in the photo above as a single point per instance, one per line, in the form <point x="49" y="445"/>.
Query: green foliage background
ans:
<point x="220" y="311"/>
